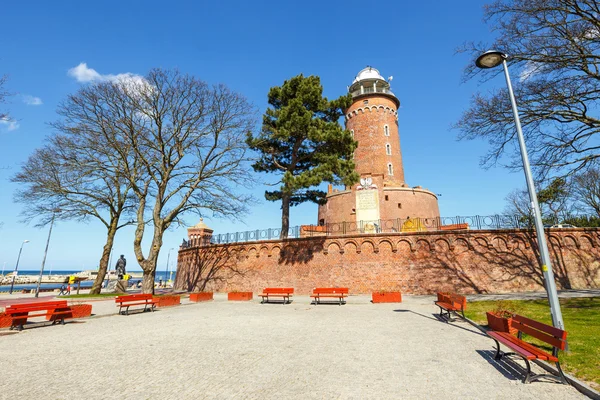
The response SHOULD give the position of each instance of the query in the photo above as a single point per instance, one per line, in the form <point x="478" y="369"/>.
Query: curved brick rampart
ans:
<point x="492" y="261"/>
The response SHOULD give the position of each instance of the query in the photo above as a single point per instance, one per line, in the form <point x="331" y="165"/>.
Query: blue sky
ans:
<point x="249" y="46"/>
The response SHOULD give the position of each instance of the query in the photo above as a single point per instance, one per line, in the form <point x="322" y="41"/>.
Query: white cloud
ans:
<point x="11" y="125"/>
<point x="82" y="73"/>
<point x="32" y="100"/>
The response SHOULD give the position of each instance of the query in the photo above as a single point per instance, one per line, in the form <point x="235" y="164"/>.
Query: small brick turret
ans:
<point x="199" y="234"/>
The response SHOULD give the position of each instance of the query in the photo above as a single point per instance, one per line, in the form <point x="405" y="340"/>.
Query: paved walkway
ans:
<point x="535" y="295"/>
<point x="249" y="350"/>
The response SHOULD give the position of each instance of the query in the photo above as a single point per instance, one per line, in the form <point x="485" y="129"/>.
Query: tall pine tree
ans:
<point x="302" y="140"/>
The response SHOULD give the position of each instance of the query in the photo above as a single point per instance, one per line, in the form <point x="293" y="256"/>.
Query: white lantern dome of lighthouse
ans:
<point x="369" y="81"/>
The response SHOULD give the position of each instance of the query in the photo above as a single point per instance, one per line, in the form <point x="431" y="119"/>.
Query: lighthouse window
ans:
<point x="386" y="130"/>
<point x="387" y="197"/>
<point x="366" y="102"/>
<point x="399" y="205"/>
<point x="388" y="149"/>
<point x="390" y="169"/>
<point x="352" y="133"/>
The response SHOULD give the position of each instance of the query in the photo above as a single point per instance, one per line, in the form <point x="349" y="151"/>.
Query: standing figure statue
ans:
<point x="120" y="267"/>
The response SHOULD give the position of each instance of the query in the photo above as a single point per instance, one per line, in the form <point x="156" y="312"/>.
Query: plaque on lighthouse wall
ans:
<point x="367" y="210"/>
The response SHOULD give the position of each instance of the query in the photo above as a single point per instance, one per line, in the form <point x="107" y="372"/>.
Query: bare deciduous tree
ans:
<point x="554" y="46"/>
<point x="556" y="203"/>
<point x="176" y="143"/>
<point x="586" y="191"/>
<point x="75" y="176"/>
<point x="190" y="138"/>
<point x="181" y="145"/>
<point x="3" y="95"/>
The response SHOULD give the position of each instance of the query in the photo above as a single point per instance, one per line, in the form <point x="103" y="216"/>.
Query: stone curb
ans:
<point x="576" y="383"/>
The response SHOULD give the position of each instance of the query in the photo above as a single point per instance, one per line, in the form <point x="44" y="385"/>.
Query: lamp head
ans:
<point x="25" y="241"/>
<point x="490" y="59"/>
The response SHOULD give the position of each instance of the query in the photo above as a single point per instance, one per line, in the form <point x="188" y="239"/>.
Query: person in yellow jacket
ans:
<point x="72" y="279"/>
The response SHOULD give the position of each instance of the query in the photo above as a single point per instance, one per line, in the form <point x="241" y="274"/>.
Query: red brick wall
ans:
<point x="493" y="261"/>
<point x="394" y="202"/>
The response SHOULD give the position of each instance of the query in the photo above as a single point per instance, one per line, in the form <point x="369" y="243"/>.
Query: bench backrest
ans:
<point x="35" y="306"/>
<point x="270" y="290"/>
<point x="546" y="333"/>
<point x="441" y="295"/>
<point x="133" y="297"/>
<point x="334" y="290"/>
<point x="456" y="300"/>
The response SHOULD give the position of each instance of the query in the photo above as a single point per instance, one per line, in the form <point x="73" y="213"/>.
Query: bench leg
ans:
<point x="18" y="327"/>
<point x="498" y="355"/>
<point x="531" y="377"/>
<point x="528" y="378"/>
<point x="447" y="317"/>
<point x="563" y="378"/>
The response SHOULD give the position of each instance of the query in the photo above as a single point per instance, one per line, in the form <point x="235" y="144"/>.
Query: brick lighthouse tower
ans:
<point x="382" y="202"/>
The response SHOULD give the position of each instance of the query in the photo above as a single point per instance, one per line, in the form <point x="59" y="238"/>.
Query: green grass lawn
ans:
<point x="582" y="323"/>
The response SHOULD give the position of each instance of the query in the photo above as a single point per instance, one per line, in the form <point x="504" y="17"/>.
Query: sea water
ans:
<point x="160" y="275"/>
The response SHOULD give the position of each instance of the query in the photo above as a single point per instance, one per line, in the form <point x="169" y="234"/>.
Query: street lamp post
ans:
<point x="37" y="289"/>
<point x="17" y="267"/>
<point x="491" y="59"/>
<point x="167" y="268"/>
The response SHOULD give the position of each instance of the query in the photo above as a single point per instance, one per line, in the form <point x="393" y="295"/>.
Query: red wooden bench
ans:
<point x="330" y="293"/>
<point x="284" y="293"/>
<point x="555" y="337"/>
<point x="451" y="303"/>
<point x="54" y="310"/>
<point x="135" y="300"/>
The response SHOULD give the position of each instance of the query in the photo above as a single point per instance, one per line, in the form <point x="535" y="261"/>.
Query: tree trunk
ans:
<point x="103" y="265"/>
<point x="148" y="281"/>
<point x="285" y="215"/>
<point x="149" y="264"/>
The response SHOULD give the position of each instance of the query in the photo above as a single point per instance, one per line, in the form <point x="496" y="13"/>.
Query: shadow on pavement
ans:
<point x="506" y="366"/>
<point x="437" y="317"/>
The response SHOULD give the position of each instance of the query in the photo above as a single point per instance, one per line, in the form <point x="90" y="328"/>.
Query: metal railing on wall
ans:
<point x="475" y="222"/>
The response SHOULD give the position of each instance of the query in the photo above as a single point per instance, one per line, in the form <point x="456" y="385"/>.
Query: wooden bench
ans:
<point x="135" y="300"/>
<point x="54" y="310"/>
<point x="330" y="293"/>
<point x="283" y="293"/>
<point x="527" y="351"/>
<point x="451" y="303"/>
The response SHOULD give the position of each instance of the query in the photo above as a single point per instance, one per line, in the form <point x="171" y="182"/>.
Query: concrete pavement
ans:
<point x="249" y="350"/>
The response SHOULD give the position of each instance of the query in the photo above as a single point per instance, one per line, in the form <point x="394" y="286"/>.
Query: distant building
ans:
<point x="383" y="194"/>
